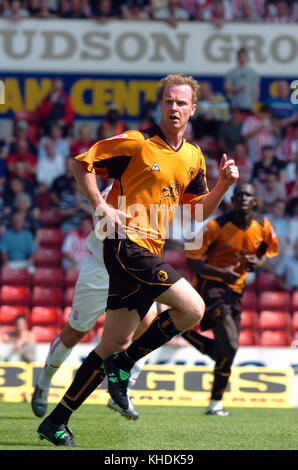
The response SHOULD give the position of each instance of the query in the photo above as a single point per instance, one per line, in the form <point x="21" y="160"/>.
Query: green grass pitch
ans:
<point x="159" y="428"/>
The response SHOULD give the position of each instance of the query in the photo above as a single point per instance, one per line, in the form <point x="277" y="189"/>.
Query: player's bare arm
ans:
<point x="228" y="274"/>
<point x="89" y="188"/>
<point x="228" y="175"/>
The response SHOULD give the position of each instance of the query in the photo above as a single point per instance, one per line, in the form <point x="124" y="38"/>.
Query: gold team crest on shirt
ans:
<point x="162" y="276"/>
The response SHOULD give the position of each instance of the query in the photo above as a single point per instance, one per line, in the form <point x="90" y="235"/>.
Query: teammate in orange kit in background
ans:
<point x="233" y="245"/>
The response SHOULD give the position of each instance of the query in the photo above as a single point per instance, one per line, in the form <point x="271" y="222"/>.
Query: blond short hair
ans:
<point x="180" y="79"/>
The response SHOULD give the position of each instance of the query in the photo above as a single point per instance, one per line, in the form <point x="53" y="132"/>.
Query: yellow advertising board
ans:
<point x="163" y="385"/>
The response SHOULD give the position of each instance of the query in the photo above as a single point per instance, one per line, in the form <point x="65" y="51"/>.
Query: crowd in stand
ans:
<point x="35" y="174"/>
<point x="218" y="11"/>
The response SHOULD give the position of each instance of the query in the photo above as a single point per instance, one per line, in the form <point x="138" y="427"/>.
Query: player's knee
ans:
<point x="200" y="310"/>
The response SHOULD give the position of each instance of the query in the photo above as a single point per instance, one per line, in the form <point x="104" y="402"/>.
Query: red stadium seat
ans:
<point x="295" y="321"/>
<point x="249" y="319"/>
<point x="6" y="329"/>
<point x="48" y="277"/>
<point x="68" y="296"/>
<point x="8" y="313"/>
<point x="45" y="316"/>
<point x="274" y="320"/>
<point x="15" y="277"/>
<point x="45" y="256"/>
<point x="175" y="258"/>
<point x="295" y="301"/>
<point x="274" y="300"/>
<point x="276" y="338"/>
<point x="50" y="237"/>
<point x="46" y="296"/>
<point x="45" y="333"/>
<point x="248" y="338"/>
<point x="249" y="300"/>
<point x="266" y="281"/>
<point x="50" y="218"/>
<point x="70" y="277"/>
<point x="15" y="295"/>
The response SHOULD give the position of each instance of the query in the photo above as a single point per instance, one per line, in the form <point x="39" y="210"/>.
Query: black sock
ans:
<point x="89" y="375"/>
<point x="222" y="372"/>
<point x="161" y="330"/>
<point x="201" y="343"/>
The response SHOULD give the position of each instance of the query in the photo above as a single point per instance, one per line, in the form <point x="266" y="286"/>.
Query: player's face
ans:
<point x="176" y="106"/>
<point x="244" y="199"/>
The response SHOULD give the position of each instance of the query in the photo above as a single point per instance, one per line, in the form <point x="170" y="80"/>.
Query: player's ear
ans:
<point x="194" y="107"/>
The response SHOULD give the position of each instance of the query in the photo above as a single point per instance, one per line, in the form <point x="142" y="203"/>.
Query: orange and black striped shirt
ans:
<point x="225" y="244"/>
<point x="153" y="177"/>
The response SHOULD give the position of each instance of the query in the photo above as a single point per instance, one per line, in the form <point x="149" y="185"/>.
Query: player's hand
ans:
<point x="253" y="262"/>
<point x="230" y="275"/>
<point x="228" y="171"/>
<point x="110" y="221"/>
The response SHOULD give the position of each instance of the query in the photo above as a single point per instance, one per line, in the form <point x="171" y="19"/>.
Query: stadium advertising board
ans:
<point x="163" y="385"/>
<point x="122" y="62"/>
<point x="115" y="47"/>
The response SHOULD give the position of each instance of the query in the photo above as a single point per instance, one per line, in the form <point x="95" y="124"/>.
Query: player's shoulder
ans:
<point x="260" y="219"/>
<point x="223" y="219"/>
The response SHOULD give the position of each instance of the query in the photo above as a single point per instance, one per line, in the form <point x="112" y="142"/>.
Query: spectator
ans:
<point x="23" y="205"/>
<point x="281" y="106"/>
<point x="61" y="143"/>
<point x="287" y="149"/>
<point x="20" y="132"/>
<point x="292" y="179"/>
<point x="193" y="8"/>
<point x="75" y="9"/>
<point x="239" y="153"/>
<point x="51" y="166"/>
<point x="230" y="132"/>
<point x="68" y="199"/>
<point x="286" y="272"/>
<point x="3" y="157"/>
<point x="148" y="116"/>
<point x="136" y="10"/>
<point x="282" y="15"/>
<point x="42" y="9"/>
<point x="268" y="164"/>
<point x="171" y="13"/>
<point x="83" y="142"/>
<point x="212" y="109"/>
<point x="15" y="12"/>
<point x="23" y="155"/>
<point x="23" y="341"/>
<point x="74" y="247"/>
<point x="217" y="11"/>
<point x="248" y="11"/>
<point x="269" y="192"/>
<point x="64" y="185"/>
<point x="281" y="225"/>
<point x="17" y="245"/>
<point x="112" y="124"/>
<point x="104" y="10"/>
<point x="14" y="186"/>
<point x="257" y="130"/>
<point x="56" y="108"/>
<point x="242" y="84"/>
